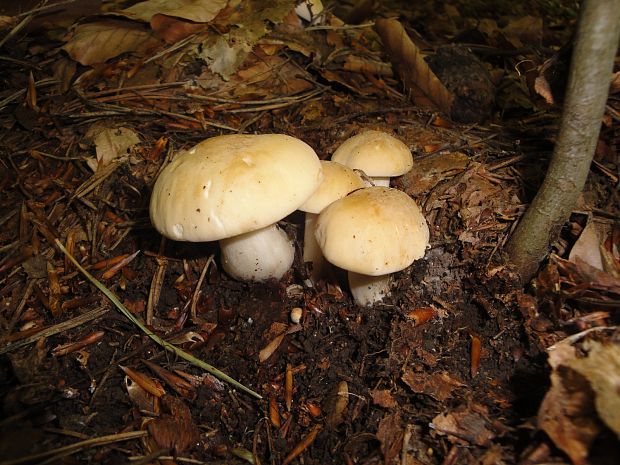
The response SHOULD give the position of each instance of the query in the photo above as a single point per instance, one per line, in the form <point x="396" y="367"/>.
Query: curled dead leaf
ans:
<point x="97" y="42"/>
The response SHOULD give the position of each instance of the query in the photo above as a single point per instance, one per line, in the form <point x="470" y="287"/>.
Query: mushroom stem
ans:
<point x="258" y="255"/>
<point x="312" y="250"/>
<point x="368" y="290"/>
<point x="383" y="181"/>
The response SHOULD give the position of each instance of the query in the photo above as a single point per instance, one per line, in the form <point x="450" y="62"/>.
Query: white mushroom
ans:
<point x="378" y="154"/>
<point x="372" y="232"/>
<point x="234" y="189"/>
<point x="338" y="181"/>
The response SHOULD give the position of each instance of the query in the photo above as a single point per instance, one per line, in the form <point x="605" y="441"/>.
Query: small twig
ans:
<point x="59" y="328"/>
<point x="76" y="447"/>
<point x="196" y="293"/>
<point x="18" y="27"/>
<point x="43" y="8"/>
<point x="155" y="290"/>
<point x="340" y="28"/>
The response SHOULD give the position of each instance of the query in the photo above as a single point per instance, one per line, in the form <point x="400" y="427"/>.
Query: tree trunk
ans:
<point x="596" y="43"/>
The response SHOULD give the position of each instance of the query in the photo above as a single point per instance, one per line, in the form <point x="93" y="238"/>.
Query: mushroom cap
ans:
<point x="373" y="231"/>
<point x="233" y="184"/>
<point x="338" y="181"/>
<point x="376" y="153"/>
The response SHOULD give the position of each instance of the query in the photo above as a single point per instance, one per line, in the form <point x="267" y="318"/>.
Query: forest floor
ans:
<point x="461" y="364"/>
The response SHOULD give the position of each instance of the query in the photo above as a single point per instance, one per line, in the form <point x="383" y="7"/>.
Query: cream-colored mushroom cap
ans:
<point x="376" y="153"/>
<point x="233" y="184"/>
<point x="373" y="231"/>
<point x="338" y="181"/>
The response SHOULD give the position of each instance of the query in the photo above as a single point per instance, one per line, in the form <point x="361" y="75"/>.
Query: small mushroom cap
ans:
<point x="338" y="181"/>
<point x="233" y="184"/>
<point x="373" y="231"/>
<point x="376" y="153"/>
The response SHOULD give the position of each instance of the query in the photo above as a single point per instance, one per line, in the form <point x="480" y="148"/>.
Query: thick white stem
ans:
<point x="258" y="255"/>
<point x="312" y="250"/>
<point x="381" y="181"/>
<point x="368" y="290"/>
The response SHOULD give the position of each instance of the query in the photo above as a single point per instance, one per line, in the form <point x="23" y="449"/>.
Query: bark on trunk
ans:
<point x="596" y="44"/>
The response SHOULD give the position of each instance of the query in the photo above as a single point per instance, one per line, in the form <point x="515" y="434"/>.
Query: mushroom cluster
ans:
<point x="235" y="188"/>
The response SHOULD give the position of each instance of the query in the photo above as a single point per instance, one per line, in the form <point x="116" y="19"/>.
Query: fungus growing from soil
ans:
<point x="338" y="181"/>
<point x="378" y="154"/>
<point x="234" y="189"/>
<point x="371" y="233"/>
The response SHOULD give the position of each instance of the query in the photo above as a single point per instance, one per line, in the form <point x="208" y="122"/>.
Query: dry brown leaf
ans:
<point x="601" y="367"/>
<point x="172" y="29"/>
<point x="197" y="11"/>
<point x="465" y="426"/>
<point x="614" y="87"/>
<point x="110" y="143"/>
<point x="587" y="247"/>
<point x="610" y="252"/>
<point x="566" y="413"/>
<point x="174" y="430"/>
<point x="439" y="386"/>
<point x="580" y="276"/>
<point x="97" y="42"/>
<point x="542" y="88"/>
<point x="425" y="88"/>
<point x="390" y="434"/>
<point x="431" y="171"/>
<point x="383" y="398"/>
<point x="276" y="336"/>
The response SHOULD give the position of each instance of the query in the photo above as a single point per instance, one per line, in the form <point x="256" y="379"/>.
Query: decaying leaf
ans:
<point x="383" y="398"/>
<point x="110" y="143"/>
<point x="390" y="434"/>
<point x="336" y="404"/>
<point x="174" y="429"/>
<point x="465" y="425"/>
<point x="431" y="171"/>
<point x="542" y="88"/>
<point x="425" y="88"/>
<point x="601" y="367"/>
<point x="584" y="383"/>
<point x="97" y="42"/>
<point x="278" y="331"/>
<point x="197" y="11"/>
<point x="566" y="412"/>
<point x="437" y="385"/>
<point x="225" y="53"/>
<point x="580" y="277"/>
<point x="587" y="247"/>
